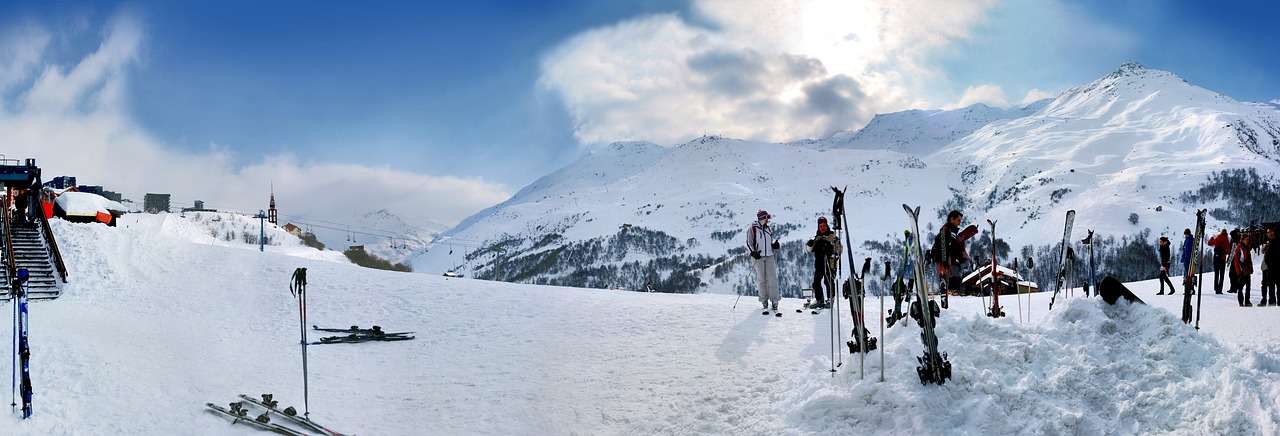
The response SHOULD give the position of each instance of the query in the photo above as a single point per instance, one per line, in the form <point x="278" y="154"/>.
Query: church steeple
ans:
<point x="271" y="212"/>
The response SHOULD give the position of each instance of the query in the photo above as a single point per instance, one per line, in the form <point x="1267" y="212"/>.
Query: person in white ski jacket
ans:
<point x="763" y="248"/>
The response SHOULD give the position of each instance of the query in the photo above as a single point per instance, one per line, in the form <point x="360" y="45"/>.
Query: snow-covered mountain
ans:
<point x="382" y="233"/>
<point x="1119" y="150"/>
<point x="920" y="132"/>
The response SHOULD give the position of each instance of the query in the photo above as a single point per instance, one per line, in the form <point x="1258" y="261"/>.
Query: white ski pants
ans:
<point x="767" y="279"/>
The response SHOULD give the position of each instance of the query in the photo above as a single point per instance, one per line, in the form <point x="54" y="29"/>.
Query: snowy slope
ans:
<point x="154" y="325"/>
<point x="382" y="233"/>
<point x="920" y="132"/>
<point x="1128" y="143"/>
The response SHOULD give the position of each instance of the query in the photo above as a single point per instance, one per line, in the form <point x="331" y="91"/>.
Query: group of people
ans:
<point x="1232" y="264"/>
<point x="763" y="246"/>
<point x="1233" y="258"/>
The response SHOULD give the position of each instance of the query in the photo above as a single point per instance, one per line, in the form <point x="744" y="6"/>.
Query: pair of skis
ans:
<point x="853" y="288"/>
<point x="355" y="334"/>
<point x="239" y="414"/>
<point x="21" y="346"/>
<point x="934" y="367"/>
<point x="1194" y="279"/>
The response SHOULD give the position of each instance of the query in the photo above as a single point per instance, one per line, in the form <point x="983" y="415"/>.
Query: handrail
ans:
<point x="53" y="245"/>
<point x="11" y="266"/>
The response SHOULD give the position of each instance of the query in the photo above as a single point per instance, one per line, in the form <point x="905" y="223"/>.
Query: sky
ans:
<point x="436" y="110"/>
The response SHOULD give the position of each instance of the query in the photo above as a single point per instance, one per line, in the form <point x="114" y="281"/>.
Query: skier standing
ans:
<point x="1270" y="268"/>
<point x="826" y="250"/>
<point x="948" y="263"/>
<point x="1243" y="267"/>
<point x="1188" y="245"/>
<point x="1221" y="248"/>
<point x="1232" y="277"/>
<point x="1164" y="267"/>
<point x="763" y="249"/>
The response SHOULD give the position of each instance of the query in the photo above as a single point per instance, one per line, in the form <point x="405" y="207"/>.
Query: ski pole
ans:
<point x="832" y="333"/>
<point x="883" y="284"/>
<point x="299" y="289"/>
<point x="13" y="399"/>
<point x="836" y="338"/>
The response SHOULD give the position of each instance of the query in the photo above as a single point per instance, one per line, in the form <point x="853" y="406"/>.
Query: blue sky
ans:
<point x="438" y="109"/>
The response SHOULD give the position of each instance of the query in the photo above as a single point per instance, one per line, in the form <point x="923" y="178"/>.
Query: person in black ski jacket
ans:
<point x="826" y="250"/>
<point x="1221" y="248"/>
<point x="763" y="247"/>
<point x="949" y="262"/>
<point x="1242" y="264"/>
<point x="1270" y="268"/>
<point x="1164" y="267"/>
<point x="1232" y="278"/>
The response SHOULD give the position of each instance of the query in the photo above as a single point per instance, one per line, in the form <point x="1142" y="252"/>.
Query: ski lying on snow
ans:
<point x="267" y="403"/>
<point x="356" y="329"/>
<point x="356" y="338"/>
<point x="238" y="417"/>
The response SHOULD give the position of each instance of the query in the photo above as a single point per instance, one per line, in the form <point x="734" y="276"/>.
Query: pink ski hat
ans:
<point x="762" y="215"/>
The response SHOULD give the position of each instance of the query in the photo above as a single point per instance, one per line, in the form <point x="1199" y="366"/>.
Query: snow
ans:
<point x="157" y="320"/>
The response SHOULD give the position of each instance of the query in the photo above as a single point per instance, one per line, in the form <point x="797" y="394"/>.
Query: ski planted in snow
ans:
<point x="855" y="289"/>
<point x="272" y="406"/>
<point x="934" y="366"/>
<point x="1093" y="271"/>
<point x="1193" y="271"/>
<point x="1062" y="257"/>
<point x="22" y="347"/>
<point x="239" y="415"/>
<point x="996" y="311"/>
<point x="902" y="290"/>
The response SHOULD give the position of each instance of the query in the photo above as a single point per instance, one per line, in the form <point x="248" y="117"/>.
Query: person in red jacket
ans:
<point x="1243" y="267"/>
<point x="1221" y="244"/>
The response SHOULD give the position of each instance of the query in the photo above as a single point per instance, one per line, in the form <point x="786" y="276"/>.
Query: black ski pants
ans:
<point x="1164" y="278"/>
<point x="1243" y="287"/>
<point x="823" y="276"/>
<point x="1219" y="272"/>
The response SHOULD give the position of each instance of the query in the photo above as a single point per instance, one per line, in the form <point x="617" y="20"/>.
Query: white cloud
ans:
<point x="767" y="70"/>
<point x="73" y="120"/>
<point x="988" y="94"/>
<point x="1035" y="95"/>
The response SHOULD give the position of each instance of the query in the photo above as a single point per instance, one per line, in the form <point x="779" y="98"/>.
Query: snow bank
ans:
<point x="1090" y="368"/>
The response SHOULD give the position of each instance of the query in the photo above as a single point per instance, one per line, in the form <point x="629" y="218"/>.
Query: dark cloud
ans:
<point x="733" y="73"/>
<point x="836" y="103"/>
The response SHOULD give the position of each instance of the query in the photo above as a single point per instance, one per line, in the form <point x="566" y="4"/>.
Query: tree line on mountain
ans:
<point x="1242" y="197"/>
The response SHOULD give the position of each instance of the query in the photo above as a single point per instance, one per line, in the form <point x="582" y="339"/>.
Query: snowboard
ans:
<point x="1111" y="290"/>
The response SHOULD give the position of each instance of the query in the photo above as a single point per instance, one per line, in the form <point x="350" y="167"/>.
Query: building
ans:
<point x="979" y="281"/>
<point x="155" y="203"/>
<point x="293" y="230"/>
<point x="61" y="182"/>
<point x="113" y="196"/>
<point x="199" y="207"/>
<point x="92" y="189"/>
<point x="272" y="217"/>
